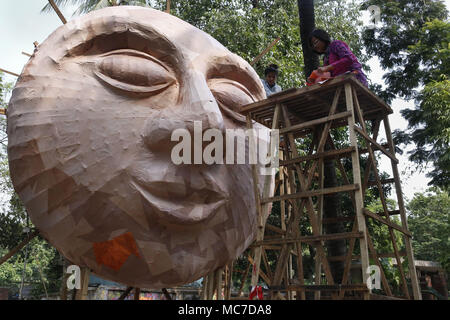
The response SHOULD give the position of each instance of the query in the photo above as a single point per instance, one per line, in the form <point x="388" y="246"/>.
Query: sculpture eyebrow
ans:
<point x="135" y="37"/>
<point x="236" y="73"/>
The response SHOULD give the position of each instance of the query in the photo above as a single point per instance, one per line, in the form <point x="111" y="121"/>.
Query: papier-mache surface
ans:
<point x="89" y="128"/>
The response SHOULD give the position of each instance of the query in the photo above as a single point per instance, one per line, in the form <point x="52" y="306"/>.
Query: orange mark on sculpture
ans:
<point x="115" y="252"/>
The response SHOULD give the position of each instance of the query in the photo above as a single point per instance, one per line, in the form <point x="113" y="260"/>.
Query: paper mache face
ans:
<point x="89" y="125"/>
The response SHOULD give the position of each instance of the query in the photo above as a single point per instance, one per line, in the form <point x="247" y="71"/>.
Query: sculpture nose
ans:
<point x="196" y="105"/>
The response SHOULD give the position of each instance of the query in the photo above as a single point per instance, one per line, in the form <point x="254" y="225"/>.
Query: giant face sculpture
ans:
<point x="89" y="125"/>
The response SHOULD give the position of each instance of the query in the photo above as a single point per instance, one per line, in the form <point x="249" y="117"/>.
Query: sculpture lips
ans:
<point x="189" y="206"/>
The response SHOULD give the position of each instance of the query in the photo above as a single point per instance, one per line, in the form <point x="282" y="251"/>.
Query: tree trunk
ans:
<point x="332" y="209"/>
<point x="307" y="25"/>
<point x="331" y="206"/>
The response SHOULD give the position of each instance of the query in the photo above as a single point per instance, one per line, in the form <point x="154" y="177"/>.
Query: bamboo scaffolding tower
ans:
<point x="311" y="114"/>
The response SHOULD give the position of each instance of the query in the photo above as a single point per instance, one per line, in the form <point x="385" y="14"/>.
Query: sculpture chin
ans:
<point x="178" y="206"/>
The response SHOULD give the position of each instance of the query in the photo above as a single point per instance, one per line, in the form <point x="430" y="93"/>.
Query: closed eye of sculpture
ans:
<point x="133" y="71"/>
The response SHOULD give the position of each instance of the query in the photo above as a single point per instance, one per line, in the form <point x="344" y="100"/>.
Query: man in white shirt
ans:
<point x="269" y="83"/>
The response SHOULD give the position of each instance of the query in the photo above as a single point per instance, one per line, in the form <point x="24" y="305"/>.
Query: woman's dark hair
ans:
<point x="319" y="34"/>
<point x="271" y="68"/>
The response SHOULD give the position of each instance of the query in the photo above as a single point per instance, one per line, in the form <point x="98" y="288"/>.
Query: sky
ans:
<point x="21" y="23"/>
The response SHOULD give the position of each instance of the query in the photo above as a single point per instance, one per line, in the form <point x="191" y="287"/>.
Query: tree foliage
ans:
<point x="405" y="24"/>
<point x="248" y="27"/>
<point x="85" y="6"/>
<point x="429" y="223"/>
<point x="42" y="259"/>
<point x="413" y="45"/>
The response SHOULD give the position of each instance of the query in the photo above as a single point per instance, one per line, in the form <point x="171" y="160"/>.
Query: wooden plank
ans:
<point x="358" y="85"/>
<point x="336" y="153"/>
<point x="17" y="248"/>
<point x="313" y="123"/>
<point x="381" y="194"/>
<point x="369" y="139"/>
<point x="218" y="279"/>
<point x="305" y="184"/>
<point x="166" y="294"/>
<point x="330" y="86"/>
<point x="312" y="193"/>
<point x="384" y="181"/>
<point x="229" y="280"/>
<point x="375" y="257"/>
<point x="261" y="273"/>
<point x="357" y="257"/>
<point x="275" y="229"/>
<point x="9" y="72"/>
<point x="309" y="239"/>
<point x="273" y="43"/>
<point x="348" y="261"/>
<point x="297" y="250"/>
<point x="210" y="288"/>
<point x="82" y="294"/>
<point x="381" y="297"/>
<point x="368" y="168"/>
<point x="262" y="208"/>
<point x="337" y="220"/>
<point x="374" y="148"/>
<point x="269" y="247"/>
<point x="125" y="293"/>
<point x="320" y="205"/>
<point x="386" y="222"/>
<point x="343" y="171"/>
<point x="137" y="293"/>
<point x="323" y="287"/>
<point x="402" y="211"/>
<point x="325" y="133"/>
<point x="168" y="6"/>
<point x="266" y="264"/>
<point x="58" y="12"/>
<point x="244" y="278"/>
<point x="359" y="197"/>
<point x="290" y="226"/>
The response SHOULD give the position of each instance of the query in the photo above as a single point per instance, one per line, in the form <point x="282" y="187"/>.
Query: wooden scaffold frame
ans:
<point x="312" y="112"/>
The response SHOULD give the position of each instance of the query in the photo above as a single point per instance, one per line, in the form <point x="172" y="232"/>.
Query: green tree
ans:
<point x="429" y="223"/>
<point x="43" y="269"/>
<point x="85" y="6"/>
<point x="413" y="45"/>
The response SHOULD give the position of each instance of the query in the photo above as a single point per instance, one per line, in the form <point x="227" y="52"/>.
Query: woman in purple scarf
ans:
<point x="338" y="58"/>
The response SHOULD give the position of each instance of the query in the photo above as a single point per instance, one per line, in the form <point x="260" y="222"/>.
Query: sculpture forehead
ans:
<point x="153" y="26"/>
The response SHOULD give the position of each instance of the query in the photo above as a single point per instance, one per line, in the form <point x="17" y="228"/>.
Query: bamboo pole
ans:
<point x="137" y="293"/>
<point x="274" y="42"/>
<point x="58" y="12"/>
<point x="125" y="293"/>
<point x="82" y="294"/>
<point x="166" y="294"/>
<point x="409" y="250"/>
<point x="9" y="72"/>
<point x="30" y="237"/>
<point x="359" y="197"/>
